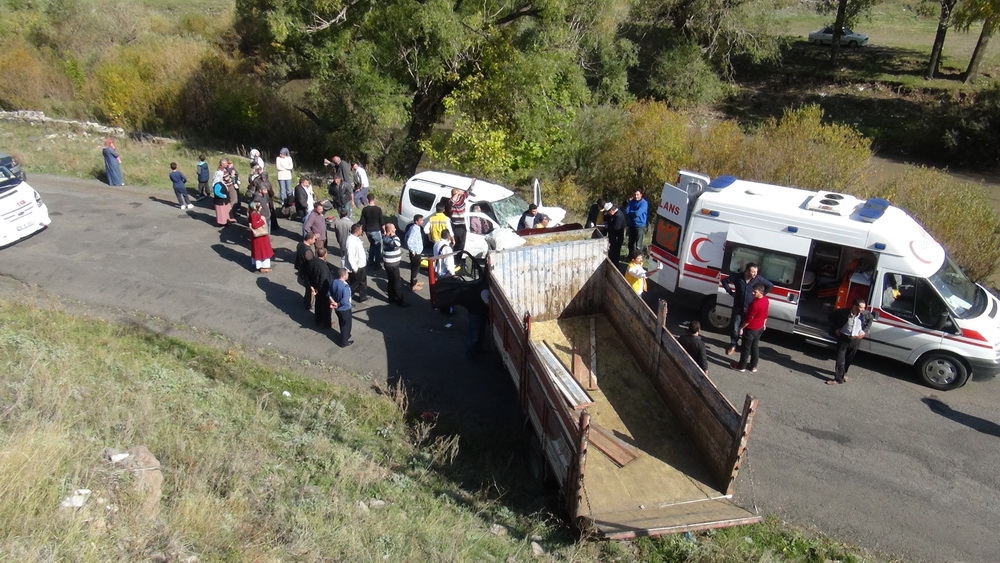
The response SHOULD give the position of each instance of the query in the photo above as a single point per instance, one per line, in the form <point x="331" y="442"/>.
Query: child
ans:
<point x="202" y="178"/>
<point x="178" y="180"/>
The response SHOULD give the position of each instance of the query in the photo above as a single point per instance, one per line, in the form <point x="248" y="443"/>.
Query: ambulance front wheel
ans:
<point x="710" y="317"/>
<point x="942" y="371"/>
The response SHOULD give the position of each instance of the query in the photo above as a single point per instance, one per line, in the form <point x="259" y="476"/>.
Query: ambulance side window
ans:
<point x="914" y="300"/>
<point x="782" y="269"/>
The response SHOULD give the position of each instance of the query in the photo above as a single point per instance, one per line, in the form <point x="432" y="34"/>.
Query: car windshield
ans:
<point x="7" y="179"/>
<point x="965" y="299"/>
<point x="509" y="207"/>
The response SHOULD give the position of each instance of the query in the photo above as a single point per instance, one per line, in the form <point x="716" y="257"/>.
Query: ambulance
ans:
<point x="822" y="250"/>
<point x="22" y="211"/>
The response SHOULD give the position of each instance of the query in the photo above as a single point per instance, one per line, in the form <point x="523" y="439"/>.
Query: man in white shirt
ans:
<point x="355" y="260"/>
<point x="360" y="185"/>
<point x="850" y="327"/>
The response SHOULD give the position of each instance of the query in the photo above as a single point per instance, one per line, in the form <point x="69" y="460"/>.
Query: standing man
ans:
<point x="694" y="345"/>
<point x="445" y="266"/>
<point x="303" y="198"/>
<point x="414" y="239"/>
<point x="527" y="220"/>
<point x="304" y="252"/>
<point x="436" y="224"/>
<point x="178" y="181"/>
<point x="459" y="200"/>
<point x="340" y="301"/>
<point x="360" y="184"/>
<point x="342" y="170"/>
<point x="354" y="263"/>
<point x="751" y="330"/>
<point x="615" y="223"/>
<point x="742" y="296"/>
<point x="317" y="273"/>
<point x="850" y="326"/>
<point x="342" y="228"/>
<point x="371" y="222"/>
<point x="392" y="253"/>
<point x="637" y="212"/>
<point x="315" y="223"/>
<point x="284" y="165"/>
<point x="202" y="171"/>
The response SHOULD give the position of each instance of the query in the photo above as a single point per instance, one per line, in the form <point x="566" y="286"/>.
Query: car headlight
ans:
<point x="38" y="199"/>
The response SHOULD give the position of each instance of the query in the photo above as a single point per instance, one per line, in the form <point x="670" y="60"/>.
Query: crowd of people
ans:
<point x="372" y="243"/>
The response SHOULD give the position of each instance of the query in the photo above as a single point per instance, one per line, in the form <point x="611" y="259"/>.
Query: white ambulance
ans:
<point x="822" y="250"/>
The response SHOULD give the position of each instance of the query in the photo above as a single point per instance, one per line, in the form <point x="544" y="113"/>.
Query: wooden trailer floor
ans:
<point x="668" y="471"/>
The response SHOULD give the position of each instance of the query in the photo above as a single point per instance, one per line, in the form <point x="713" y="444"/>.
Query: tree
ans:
<point x="385" y="72"/>
<point x="968" y="13"/>
<point x="944" y="22"/>
<point x="848" y="12"/>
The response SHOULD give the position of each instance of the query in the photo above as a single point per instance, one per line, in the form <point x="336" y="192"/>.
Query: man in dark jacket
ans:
<point x="301" y="198"/>
<point x="614" y="219"/>
<point x="849" y="326"/>
<point x="317" y="274"/>
<point x="694" y="345"/>
<point x="742" y="296"/>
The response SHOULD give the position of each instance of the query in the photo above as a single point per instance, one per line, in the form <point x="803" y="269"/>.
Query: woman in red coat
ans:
<point x="260" y="244"/>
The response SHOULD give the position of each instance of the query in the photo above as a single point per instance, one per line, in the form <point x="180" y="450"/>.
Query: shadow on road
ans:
<point x="288" y="300"/>
<point x="237" y="256"/>
<point x="973" y="422"/>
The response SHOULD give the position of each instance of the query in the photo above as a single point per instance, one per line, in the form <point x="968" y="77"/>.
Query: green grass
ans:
<point x="251" y="473"/>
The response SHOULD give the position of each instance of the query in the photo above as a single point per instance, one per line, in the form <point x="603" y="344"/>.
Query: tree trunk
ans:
<point x="838" y="31"/>
<point x="944" y="22"/>
<point x="989" y="26"/>
<point x="426" y="110"/>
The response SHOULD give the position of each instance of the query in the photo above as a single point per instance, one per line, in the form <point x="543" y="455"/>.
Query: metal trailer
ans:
<point x="669" y="444"/>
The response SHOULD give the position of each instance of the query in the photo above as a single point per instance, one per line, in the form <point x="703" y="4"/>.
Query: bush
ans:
<point x="650" y="149"/>
<point x="683" y="78"/>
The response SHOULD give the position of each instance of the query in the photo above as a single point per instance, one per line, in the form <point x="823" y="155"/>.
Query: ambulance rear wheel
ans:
<point x="711" y="319"/>
<point x="942" y="371"/>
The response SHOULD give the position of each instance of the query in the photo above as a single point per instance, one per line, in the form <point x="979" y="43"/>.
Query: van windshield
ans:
<point x="509" y="207"/>
<point x="965" y="299"/>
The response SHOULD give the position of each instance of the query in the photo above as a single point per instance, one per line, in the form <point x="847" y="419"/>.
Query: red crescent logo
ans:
<point x="694" y="248"/>
<point x="916" y="254"/>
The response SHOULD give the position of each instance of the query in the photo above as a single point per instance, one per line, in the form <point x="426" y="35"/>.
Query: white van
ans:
<point x="22" y="211"/>
<point x="500" y="207"/>
<point x="822" y="250"/>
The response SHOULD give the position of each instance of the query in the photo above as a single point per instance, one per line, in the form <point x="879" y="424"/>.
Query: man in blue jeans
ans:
<point x="637" y="213"/>
<point x="742" y="296"/>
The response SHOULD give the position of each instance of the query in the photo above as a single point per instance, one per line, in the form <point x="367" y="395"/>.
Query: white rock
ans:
<point x="77" y="499"/>
<point x="536" y="549"/>
<point x="286" y="394"/>
<point x="119" y="457"/>
<point x="498" y="530"/>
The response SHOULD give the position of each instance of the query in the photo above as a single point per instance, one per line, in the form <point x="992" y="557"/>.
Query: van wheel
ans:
<point x="711" y="319"/>
<point x="942" y="371"/>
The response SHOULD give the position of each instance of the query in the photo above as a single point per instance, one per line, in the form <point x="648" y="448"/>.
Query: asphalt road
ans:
<point x="881" y="462"/>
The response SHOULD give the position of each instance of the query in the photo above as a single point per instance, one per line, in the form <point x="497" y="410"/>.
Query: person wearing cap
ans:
<point x="342" y="170"/>
<point x="284" y="165"/>
<point x="527" y="220"/>
<point x="614" y="221"/>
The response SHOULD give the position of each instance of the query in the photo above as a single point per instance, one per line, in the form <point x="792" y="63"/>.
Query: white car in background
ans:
<point x="499" y="206"/>
<point x="848" y="38"/>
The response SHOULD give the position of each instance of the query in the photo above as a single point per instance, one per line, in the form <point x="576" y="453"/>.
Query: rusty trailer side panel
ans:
<point x="684" y="477"/>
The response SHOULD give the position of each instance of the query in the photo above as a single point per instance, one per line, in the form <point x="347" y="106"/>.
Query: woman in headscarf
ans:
<point x="263" y="193"/>
<point x="260" y="242"/>
<point x="112" y="163"/>
<point x="221" y="194"/>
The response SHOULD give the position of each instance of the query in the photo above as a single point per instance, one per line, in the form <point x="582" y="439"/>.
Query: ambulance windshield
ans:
<point x="965" y="299"/>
